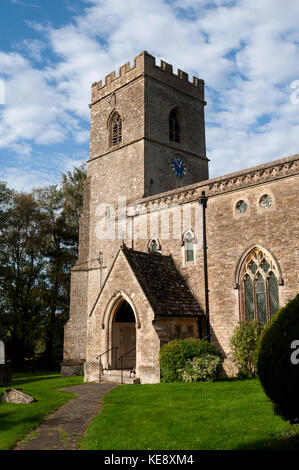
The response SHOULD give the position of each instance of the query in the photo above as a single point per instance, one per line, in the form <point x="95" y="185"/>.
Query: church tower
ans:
<point x="147" y="130"/>
<point x="147" y="136"/>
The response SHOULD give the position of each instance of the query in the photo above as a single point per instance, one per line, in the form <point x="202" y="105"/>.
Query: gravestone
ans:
<point x="2" y="353"/>
<point x="5" y="369"/>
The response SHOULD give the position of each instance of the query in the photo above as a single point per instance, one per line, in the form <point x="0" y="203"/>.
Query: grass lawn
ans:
<point x="223" y="415"/>
<point x="16" y="420"/>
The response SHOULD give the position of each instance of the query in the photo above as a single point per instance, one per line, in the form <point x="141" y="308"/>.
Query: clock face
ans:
<point x="178" y="167"/>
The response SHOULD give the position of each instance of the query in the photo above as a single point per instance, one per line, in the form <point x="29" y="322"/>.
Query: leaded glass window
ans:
<point x="154" y="245"/>
<point x="266" y="201"/>
<point x="248" y="298"/>
<point x="261" y="307"/>
<point x="273" y="294"/>
<point x="189" y="246"/>
<point x="241" y="206"/>
<point x="259" y="294"/>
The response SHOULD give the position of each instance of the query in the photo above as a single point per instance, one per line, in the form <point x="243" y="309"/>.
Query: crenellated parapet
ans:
<point x="145" y="64"/>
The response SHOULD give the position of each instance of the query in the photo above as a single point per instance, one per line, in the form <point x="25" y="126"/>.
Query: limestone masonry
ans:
<point x="144" y="274"/>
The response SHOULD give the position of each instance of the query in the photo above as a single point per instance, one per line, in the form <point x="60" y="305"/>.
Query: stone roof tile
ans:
<point x="163" y="284"/>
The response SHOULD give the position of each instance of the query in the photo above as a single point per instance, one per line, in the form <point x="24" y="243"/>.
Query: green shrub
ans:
<point x="206" y="367"/>
<point x="175" y="354"/>
<point x="278" y="375"/>
<point x="244" y="342"/>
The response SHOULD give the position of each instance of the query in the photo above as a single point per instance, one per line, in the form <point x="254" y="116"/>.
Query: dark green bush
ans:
<point x="275" y="370"/>
<point x="244" y="342"/>
<point x="175" y="354"/>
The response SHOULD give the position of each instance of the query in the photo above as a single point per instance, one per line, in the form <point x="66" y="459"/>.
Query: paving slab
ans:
<point x="64" y="429"/>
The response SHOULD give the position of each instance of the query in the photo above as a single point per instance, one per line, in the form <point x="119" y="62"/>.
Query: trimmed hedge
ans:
<point x="275" y="370"/>
<point x="175" y="354"/>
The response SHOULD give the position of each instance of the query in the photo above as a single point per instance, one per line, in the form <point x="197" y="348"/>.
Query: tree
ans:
<point x="38" y="246"/>
<point x="72" y="188"/>
<point x="22" y="275"/>
<point x="243" y="343"/>
<point x="62" y="208"/>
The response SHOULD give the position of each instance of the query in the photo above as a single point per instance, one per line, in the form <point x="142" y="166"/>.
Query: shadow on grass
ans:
<point x="288" y="440"/>
<point x="7" y="422"/>
<point x="20" y="378"/>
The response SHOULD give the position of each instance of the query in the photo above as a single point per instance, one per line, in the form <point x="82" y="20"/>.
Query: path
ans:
<point x="64" y="429"/>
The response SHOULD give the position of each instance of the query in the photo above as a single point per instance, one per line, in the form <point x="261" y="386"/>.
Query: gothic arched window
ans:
<point x="188" y="243"/>
<point x="154" y="245"/>
<point x="259" y="287"/>
<point x="174" y="126"/>
<point x="115" y="129"/>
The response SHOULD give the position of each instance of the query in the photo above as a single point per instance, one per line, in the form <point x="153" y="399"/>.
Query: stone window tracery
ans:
<point x="259" y="287"/>
<point x="266" y="201"/>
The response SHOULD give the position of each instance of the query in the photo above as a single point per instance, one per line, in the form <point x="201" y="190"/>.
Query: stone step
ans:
<point x="114" y="376"/>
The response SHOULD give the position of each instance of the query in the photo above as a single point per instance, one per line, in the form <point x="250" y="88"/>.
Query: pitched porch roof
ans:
<point x="163" y="284"/>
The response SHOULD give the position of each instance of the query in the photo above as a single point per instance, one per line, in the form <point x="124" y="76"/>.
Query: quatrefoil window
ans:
<point x="266" y="201"/>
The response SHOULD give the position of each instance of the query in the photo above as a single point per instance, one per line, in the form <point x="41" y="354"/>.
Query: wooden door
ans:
<point x="125" y="340"/>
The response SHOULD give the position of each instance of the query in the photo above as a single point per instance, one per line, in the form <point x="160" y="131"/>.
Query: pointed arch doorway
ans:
<point x="124" y="336"/>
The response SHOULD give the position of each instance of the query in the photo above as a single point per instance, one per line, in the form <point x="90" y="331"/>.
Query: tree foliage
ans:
<point x="243" y="343"/>
<point x="38" y="246"/>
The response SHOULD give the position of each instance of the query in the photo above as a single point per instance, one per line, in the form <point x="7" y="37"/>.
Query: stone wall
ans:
<point x="231" y="233"/>
<point x="122" y="284"/>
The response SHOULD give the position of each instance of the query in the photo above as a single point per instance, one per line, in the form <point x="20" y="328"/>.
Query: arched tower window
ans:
<point x="115" y="129"/>
<point x="259" y="287"/>
<point x="175" y="126"/>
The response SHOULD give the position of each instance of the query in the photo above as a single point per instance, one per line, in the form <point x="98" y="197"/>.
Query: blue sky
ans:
<point x="51" y="52"/>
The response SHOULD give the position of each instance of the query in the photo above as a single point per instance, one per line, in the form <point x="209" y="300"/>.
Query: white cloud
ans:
<point x="27" y="179"/>
<point x="245" y="51"/>
<point x="33" y="47"/>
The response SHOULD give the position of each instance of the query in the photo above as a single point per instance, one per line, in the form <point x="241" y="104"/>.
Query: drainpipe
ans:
<point x="203" y="202"/>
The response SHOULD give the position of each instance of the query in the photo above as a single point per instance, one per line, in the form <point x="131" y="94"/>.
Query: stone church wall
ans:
<point x="122" y="283"/>
<point x="230" y="233"/>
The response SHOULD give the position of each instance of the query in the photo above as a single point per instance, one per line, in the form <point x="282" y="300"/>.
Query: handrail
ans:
<point x="126" y="353"/>
<point x="121" y="363"/>
<point x="100" y="355"/>
<point x="105" y="352"/>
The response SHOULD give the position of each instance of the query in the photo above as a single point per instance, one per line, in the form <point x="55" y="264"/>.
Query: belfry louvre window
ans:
<point x="259" y="287"/>
<point x="116" y="129"/>
<point x="174" y="126"/>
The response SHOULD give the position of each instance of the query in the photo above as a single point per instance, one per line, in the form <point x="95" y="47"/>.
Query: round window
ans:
<point x="265" y="201"/>
<point x="241" y="206"/>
